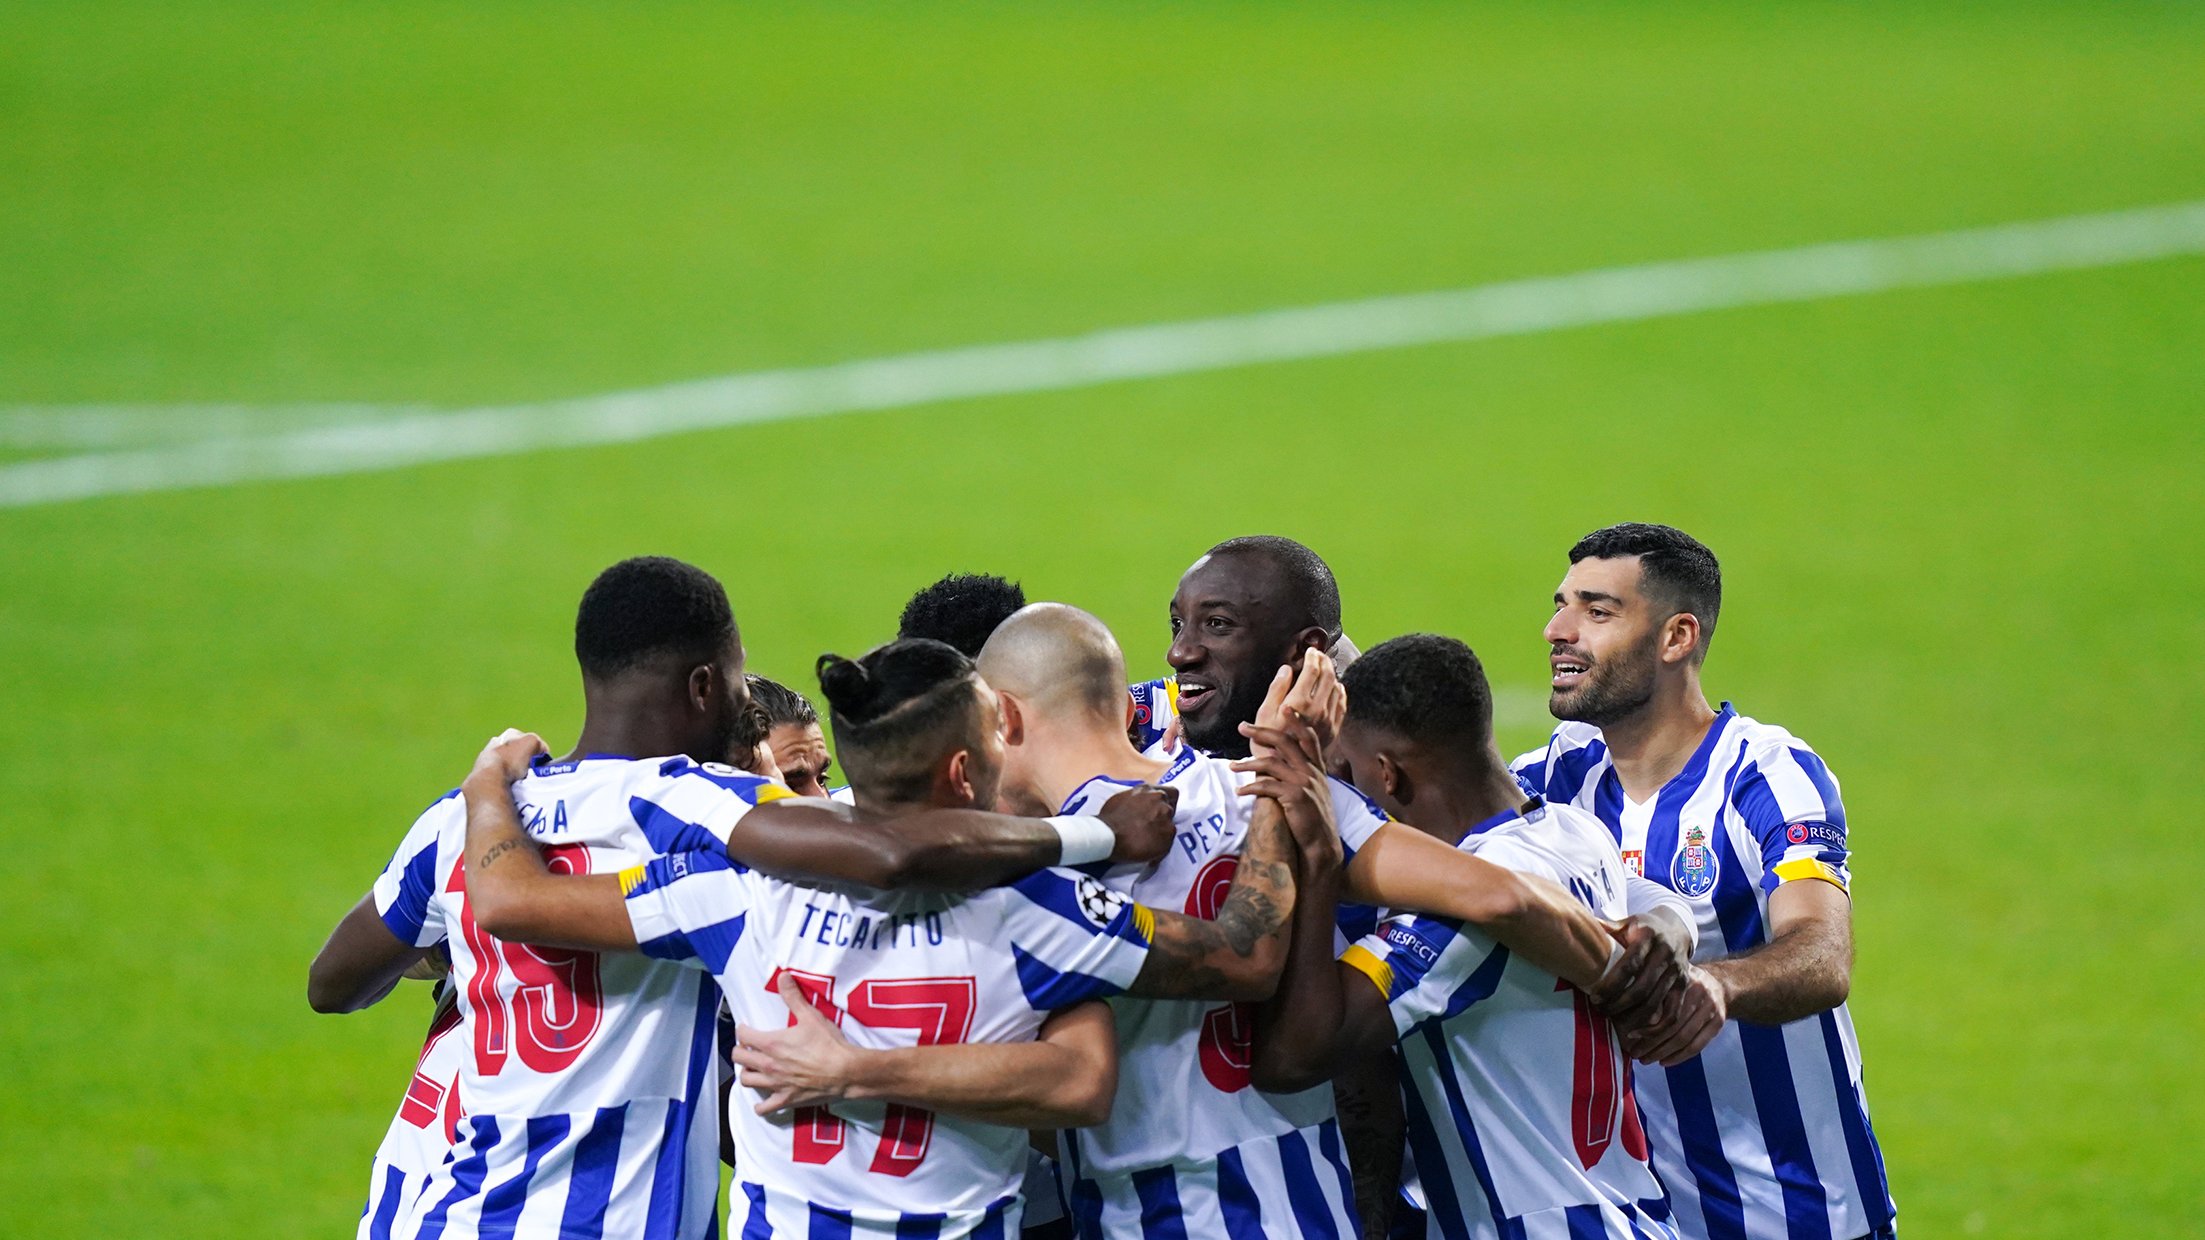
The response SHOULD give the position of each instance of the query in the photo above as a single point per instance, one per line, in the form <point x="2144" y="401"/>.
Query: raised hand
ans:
<point x="509" y="754"/>
<point x="1318" y="697"/>
<point x="1288" y="764"/>
<point x="1141" y="818"/>
<point x="806" y="1064"/>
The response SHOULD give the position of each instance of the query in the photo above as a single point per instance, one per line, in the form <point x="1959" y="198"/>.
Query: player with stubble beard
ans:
<point x="1765" y="1133"/>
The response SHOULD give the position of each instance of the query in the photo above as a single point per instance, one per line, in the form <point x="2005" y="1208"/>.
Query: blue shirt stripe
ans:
<point x="501" y="1206"/>
<point x="590" y="1180"/>
<point x="1312" y="1213"/>
<point x="1861" y="1148"/>
<point x="1769" y="1068"/>
<point x="1721" y="1207"/>
<point x="1237" y="1199"/>
<point x="467" y="1174"/>
<point x="387" y="1203"/>
<point x="1161" y="1216"/>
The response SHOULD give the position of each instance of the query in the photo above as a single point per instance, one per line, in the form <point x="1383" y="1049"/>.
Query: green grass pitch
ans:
<point x="1961" y="525"/>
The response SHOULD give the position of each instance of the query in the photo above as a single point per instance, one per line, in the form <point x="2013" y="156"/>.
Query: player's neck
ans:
<point x="634" y="725"/>
<point x="1459" y="798"/>
<point x="1066" y="758"/>
<point x="1650" y="746"/>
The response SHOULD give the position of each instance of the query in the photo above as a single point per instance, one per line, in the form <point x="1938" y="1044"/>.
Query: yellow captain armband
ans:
<point x="631" y="877"/>
<point x="770" y="792"/>
<point x="1144" y="922"/>
<point x="1809" y="867"/>
<point x="1366" y="962"/>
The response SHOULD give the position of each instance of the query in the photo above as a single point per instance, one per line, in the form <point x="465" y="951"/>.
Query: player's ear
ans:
<point x="1311" y="638"/>
<point x="1394" y="779"/>
<point x="1680" y="636"/>
<point x="956" y="777"/>
<point x="703" y="679"/>
<point x="1014" y="718"/>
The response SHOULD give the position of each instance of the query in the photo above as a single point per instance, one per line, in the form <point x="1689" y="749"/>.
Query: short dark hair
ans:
<point x="1312" y="591"/>
<point x="651" y="608"/>
<point x="961" y="610"/>
<point x="781" y="704"/>
<point x="1676" y="567"/>
<point x="1421" y="687"/>
<point x="897" y="709"/>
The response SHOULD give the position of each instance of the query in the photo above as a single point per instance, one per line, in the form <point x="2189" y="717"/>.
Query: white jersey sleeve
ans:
<point x="1435" y="968"/>
<point x="405" y="892"/>
<point x="1074" y="939"/>
<point x="1357" y="816"/>
<point x="1789" y="801"/>
<point x="689" y="907"/>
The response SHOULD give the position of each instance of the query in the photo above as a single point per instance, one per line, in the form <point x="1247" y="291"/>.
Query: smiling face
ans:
<point x="1605" y="642"/>
<point x="1232" y="627"/>
<point x="800" y="750"/>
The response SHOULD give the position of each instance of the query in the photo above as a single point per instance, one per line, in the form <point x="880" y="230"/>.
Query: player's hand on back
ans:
<point x="509" y="754"/>
<point x="1141" y="818"/>
<point x="806" y="1064"/>
<point x="1288" y="763"/>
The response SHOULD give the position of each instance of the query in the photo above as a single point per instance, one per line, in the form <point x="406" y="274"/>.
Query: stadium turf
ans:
<point x="1960" y="525"/>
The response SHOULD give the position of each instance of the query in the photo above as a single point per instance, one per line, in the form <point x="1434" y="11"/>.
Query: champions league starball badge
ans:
<point x="1692" y="871"/>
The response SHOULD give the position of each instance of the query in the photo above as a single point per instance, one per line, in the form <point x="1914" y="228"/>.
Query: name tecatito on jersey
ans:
<point x="585" y="1079"/>
<point x="1766" y="1132"/>
<point x="1520" y="1112"/>
<point x="1229" y="1159"/>
<point x="892" y="969"/>
<point x="422" y="1131"/>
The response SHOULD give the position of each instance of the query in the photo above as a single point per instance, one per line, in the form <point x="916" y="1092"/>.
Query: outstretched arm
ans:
<point x="362" y="962"/>
<point x="1065" y="1079"/>
<point x="808" y="840"/>
<point x="1402" y="868"/>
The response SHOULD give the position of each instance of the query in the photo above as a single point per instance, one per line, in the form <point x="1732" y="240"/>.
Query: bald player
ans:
<point x="1231" y="1160"/>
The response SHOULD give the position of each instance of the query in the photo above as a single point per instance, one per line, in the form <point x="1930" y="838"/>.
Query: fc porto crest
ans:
<point x="1692" y="871"/>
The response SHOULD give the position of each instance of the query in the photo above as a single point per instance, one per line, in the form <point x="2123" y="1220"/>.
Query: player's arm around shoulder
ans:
<point x="511" y="893"/>
<point x="808" y="840"/>
<point x="1404" y="868"/>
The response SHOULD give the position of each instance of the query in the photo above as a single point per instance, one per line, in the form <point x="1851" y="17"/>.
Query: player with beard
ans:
<point x="1231" y="1159"/>
<point x="1765" y="1133"/>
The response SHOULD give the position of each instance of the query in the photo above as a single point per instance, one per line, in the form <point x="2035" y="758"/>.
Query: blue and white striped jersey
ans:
<point x="1520" y="1115"/>
<point x="1766" y="1133"/>
<point x="1192" y="1147"/>
<point x="1155" y="706"/>
<point x="586" y="1079"/>
<point x="893" y="969"/>
<point x="422" y="1131"/>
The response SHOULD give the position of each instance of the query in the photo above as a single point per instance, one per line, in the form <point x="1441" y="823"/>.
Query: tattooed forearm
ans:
<point x="1238" y="954"/>
<point x="495" y="851"/>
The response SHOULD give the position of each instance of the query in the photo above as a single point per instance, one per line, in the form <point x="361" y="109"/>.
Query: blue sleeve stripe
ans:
<point x="1432" y="936"/>
<point x="714" y="943"/>
<point x="662" y="872"/>
<point x="669" y="833"/>
<point x="1049" y="988"/>
<point x="416" y="887"/>
<point x="1480" y="985"/>
<point x="1051" y="890"/>
<point x="1833" y="809"/>
<point x="1567" y="771"/>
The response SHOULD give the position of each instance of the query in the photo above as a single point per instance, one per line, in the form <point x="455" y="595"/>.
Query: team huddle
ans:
<point x="1277" y="946"/>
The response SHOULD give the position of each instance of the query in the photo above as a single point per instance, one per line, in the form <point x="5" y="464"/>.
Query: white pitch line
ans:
<point x="1509" y="308"/>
